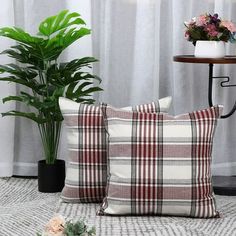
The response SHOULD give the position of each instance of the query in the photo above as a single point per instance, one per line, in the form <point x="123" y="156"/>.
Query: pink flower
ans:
<point x="186" y="35"/>
<point x="229" y="25"/>
<point x="201" y="20"/>
<point x="211" y="29"/>
<point x="55" y="227"/>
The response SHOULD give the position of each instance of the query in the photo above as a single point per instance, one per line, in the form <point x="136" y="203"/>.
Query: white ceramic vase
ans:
<point x="209" y="49"/>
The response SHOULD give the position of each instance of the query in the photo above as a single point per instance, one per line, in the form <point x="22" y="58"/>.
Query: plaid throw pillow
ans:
<point x="86" y="175"/>
<point x="160" y="164"/>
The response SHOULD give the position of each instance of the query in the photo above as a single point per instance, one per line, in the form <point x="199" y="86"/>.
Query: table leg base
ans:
<point x="224" y="185"/>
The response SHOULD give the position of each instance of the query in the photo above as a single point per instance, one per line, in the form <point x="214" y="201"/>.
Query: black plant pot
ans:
<point x="51" y="177"/>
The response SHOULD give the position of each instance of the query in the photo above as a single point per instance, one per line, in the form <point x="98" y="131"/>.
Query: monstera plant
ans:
<point x="37" y="68"/>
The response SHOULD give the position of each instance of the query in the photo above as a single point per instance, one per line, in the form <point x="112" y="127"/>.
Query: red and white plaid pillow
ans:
<point x="86" y="175"/>
<point x="160" y="164"/>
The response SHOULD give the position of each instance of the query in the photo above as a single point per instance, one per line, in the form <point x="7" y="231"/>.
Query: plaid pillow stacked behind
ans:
<point x="160" y="164"/>
<point x="86" y="175"/>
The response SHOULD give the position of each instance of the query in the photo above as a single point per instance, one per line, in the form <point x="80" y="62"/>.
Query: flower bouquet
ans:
<point x="57" y="226"/>
<point x="211" y="28"/>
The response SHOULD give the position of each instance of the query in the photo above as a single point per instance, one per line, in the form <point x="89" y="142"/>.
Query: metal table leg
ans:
<point x="224" y="84"/>
<point x="222" y="185"/>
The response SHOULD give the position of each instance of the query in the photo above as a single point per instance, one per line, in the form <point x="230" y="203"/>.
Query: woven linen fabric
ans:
<point x="160" y="164"/>
<point x="86" y="174"/>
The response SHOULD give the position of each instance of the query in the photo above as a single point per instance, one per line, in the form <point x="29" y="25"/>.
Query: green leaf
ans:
<point x="24" y="76"/>
<point x="77" y="64"/>
<point x="37" y="48"/>
<point x="27" y="99"/>
<point x="31" y="100"/>
<point x="39" y="89"/>
<point x="80" y="94"/>
<point x="97" y="78"/>
<point x="12" y="98"/>
<point x="58" y="92"/>
<point x="62" y="40"/>
<point x="61" y="21"/>
<point x="70" y="89"/>
<point x="88" y="91"/>
<point x="83" y="85"/>
<point x="14" y="54"/>
<point x="83" y="100"/>
<point x="19" y="35"/>
<point x="18" y="71"/>
<point x="30" y="115"/>
<point x="26" y="54"/>
<point x="78" y="228"/>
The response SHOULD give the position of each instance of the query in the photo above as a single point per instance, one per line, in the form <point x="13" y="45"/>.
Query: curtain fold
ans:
<point x="7" y="130"/>
<point x="135" y="41"/>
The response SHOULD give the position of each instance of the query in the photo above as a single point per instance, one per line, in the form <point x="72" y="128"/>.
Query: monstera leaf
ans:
<point x="56" y="33"/>
<point x="29" y="115"/>
<point x="61" y="21"/>
<point x="19" y="35"/>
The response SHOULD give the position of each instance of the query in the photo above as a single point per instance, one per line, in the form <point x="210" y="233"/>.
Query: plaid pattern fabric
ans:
<point x="86" y="175"/>
<point x="160" y="164"/>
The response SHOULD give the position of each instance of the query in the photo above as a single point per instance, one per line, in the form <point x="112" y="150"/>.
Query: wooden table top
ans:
<point x="192" y="59"/>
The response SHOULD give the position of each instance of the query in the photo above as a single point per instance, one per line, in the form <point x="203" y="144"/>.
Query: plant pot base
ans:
<point x="51" y="177"/>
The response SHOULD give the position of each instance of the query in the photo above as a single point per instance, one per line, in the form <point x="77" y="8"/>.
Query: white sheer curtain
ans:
<point x="6" y="125"/>
<point x="135" y="41"/>
<point x="19" y="140"/>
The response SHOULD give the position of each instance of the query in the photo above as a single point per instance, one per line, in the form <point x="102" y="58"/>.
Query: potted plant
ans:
<point x="38" y="69"/>
<point x="209" y="33"/>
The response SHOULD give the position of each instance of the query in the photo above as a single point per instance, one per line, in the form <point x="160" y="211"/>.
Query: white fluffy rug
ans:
<point x="24" y="211"/>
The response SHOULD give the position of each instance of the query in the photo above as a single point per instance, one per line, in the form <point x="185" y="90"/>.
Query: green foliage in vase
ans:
<point x="37" y="68"/>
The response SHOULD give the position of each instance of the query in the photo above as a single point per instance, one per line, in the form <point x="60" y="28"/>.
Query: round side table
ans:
<point x="222" y="185"/>
<point x="211" y="62"/>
